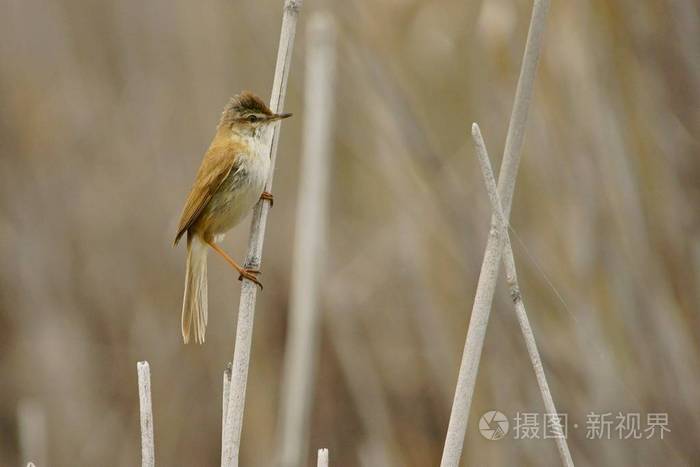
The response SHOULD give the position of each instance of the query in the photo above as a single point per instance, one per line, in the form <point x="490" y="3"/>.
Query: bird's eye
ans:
<point x="252" y="118"/>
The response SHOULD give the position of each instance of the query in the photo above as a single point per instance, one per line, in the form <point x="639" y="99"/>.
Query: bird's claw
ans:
<point x="268" y="196"/>
<point x="250" y="274"/>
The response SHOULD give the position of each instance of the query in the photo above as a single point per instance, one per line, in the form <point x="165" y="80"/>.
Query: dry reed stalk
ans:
<point x="516" y="296"/>
<point x="481" y="309"/>
<point x="148" y="456"/>
<point x="246" y="307"/>
<point x="224" y="404"/>
<point x="322" y="458"/>
<point x="310" y="243"/>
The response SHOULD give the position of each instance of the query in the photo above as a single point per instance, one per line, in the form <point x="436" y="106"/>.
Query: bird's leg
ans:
<point x="247" y="273"/>
<point x="268" y="196"/>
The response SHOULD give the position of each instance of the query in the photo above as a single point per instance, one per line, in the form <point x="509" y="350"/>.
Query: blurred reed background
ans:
<point x="106" y="109"/>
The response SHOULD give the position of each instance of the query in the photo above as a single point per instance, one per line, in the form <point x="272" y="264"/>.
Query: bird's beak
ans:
<point x="280" y="116"/>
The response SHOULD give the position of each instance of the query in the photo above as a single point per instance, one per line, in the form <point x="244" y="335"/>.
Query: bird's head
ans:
<point x="247" y="113"/>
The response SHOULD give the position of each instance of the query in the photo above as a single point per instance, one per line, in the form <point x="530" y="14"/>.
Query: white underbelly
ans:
<point x="237" y="195"/>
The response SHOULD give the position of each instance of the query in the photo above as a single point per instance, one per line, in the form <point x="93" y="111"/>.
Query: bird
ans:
<point x="230" y="181"/>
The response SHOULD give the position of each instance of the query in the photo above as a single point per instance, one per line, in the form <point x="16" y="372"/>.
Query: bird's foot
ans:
<point x="251" y="275"/>
<point x="268" y="196"/>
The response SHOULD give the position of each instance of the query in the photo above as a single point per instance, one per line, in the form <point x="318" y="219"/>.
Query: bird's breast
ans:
<point x="238" y="193"/>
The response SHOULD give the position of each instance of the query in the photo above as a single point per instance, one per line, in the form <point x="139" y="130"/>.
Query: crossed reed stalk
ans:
<point x="501" y="198"/>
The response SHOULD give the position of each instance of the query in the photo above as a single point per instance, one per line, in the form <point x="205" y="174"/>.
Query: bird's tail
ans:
<point x="194" y="303"/>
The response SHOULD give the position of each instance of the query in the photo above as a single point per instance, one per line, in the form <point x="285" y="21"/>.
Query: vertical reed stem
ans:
<point x="310" y="241"/>
<point x="246" y="307"/>
<point x="224" y="405"/>
<point x="322" y="458"/>
<point x="148" y="456"/>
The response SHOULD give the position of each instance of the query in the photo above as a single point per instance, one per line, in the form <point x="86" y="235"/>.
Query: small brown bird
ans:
<point x="229" y="182"/>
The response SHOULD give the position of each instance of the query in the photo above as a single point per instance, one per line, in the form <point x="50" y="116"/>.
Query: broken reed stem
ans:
<point x="459" y="416"/>
<point x="246" y="307"/>
<point x="322" y="458"/>
<point x="148" y="456"/>
<point x="512" y="280"/>
<point x="309" y="243"/>
<point x="224" y="404"/>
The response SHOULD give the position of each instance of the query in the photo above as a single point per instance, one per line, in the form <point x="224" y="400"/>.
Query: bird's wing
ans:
<point x="216" y="165"/>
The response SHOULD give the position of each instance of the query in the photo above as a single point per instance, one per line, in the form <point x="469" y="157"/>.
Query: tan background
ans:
<point x="106" y="108"/>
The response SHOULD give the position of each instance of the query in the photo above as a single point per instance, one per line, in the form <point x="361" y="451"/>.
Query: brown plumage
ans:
<point x="229" y="182"/>
<point x="215" y="167"/>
